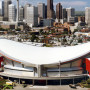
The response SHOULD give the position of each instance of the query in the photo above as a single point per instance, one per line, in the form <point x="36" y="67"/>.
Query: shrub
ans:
<point x="88" y="81"/>
<point x="24" y="85"/>
<point x="83" y="82"/>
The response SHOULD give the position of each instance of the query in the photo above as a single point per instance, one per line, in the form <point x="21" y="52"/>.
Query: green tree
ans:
<point x="33" y="37"/>
<point x="75" y="30"/>
<point x="41" y="31"/>
<point x="18" y="29"/>
<point x="80" y="41"/>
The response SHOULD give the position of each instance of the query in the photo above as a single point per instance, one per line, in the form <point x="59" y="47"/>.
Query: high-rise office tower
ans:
<point x="11" y="12"/>
<point x="41" y="10"/>
<point x="70" y="13"/>
<point x="87" y="15"/>
<point x="1" y="8"/>
<point x="45" y="11"/>
<point x="32" y="16"/>
<point x="17" y="10"/>
<point x="50" y="10"/>
<point x="21" y="13"/>
<point x="6" y="4"/>
<point x="81" y="18"/>
<point x="64" y="13"/>
<point x="25" y="10"/>
<point x="59" y="11"/>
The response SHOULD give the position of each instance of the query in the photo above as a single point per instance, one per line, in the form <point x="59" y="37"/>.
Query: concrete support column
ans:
<point x="34" y="71"/>
<point x="73" y="80"/>
<point x="33" y="82"/>
<point x="60" y="81"/>
<point x="8" y="78"/>
<point x="39" y="70"/>
<point x="19" y="81"/>
<point x="46" y="72"/>
<point x="46" y="82"/>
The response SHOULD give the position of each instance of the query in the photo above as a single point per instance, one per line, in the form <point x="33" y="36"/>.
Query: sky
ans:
<point x="79" y="5"/>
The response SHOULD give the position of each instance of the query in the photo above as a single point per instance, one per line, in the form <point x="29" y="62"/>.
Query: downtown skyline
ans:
<point x="79" y="5"/>
<point x="39" y="10"/>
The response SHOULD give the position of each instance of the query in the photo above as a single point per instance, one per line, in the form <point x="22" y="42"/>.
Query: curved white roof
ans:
<point x="41" y="55"/>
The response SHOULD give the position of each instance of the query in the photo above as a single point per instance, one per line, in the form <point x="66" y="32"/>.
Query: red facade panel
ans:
<point x="87" y="65"/>
<point x="1" y="60"/>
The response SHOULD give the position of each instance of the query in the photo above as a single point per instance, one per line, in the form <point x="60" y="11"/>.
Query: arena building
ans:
<point x="44" y="64"/>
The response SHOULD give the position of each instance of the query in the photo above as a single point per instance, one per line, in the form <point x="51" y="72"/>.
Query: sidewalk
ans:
<point x="48" y="88"/>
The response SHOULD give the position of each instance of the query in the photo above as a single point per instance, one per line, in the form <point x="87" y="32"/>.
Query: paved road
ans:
<point x="48" y="88"/>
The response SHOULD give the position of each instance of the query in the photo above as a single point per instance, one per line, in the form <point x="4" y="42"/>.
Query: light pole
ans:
<point x="60" y="71"/>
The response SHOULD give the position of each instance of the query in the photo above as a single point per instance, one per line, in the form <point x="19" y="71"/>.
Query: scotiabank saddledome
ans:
<point x="25" y="61"/>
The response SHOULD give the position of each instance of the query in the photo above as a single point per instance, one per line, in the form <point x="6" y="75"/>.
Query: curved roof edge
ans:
<point x="23" y="53"/>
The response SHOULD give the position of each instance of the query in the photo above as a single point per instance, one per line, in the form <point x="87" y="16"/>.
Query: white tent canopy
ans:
<point x="41" y="55"/>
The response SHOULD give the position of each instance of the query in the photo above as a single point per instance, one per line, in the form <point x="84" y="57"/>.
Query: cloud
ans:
<point x="13" y="0"/>
<point x="74" y="3"/>
<point x="23" y="2"/>
<point x="77" y="4"/>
